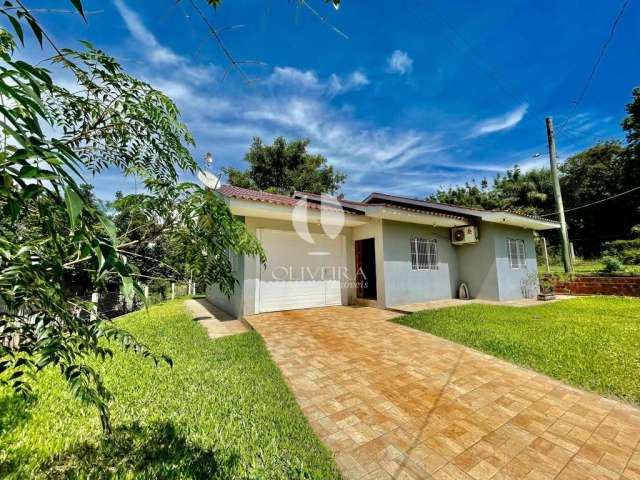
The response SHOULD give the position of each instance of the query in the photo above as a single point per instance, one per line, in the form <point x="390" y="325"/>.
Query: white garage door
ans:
<point x="299" y="274"/>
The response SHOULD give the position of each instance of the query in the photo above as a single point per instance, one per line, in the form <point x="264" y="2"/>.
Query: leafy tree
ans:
<point x="600" y="172"/>
<point x="284" y="167"/>
<point x="50" y="225"/>
<point x="631" y="123"/>
<point x="529" y="192"/>
<point x="469" y="195"/>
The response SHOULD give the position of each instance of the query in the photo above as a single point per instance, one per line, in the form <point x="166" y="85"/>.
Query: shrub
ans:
<point x="631" y="256"/>
<point x="611" y="264"/>
<point x="618" y="246"/>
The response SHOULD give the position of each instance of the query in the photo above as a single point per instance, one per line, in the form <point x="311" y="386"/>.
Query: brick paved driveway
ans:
<point x="392" y="402"/>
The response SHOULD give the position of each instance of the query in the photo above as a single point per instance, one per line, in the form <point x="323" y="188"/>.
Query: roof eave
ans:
<point x="275" y="211"/>
<point x="387" y="212"/>
<point x="514" y="220"/>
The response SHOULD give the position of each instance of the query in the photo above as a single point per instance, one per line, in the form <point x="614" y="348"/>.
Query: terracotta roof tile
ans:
<point x="266" y="197"/>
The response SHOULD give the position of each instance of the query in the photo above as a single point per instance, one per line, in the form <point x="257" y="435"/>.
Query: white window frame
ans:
<point x="424" y="254"/>
<point x="516" y="254"/>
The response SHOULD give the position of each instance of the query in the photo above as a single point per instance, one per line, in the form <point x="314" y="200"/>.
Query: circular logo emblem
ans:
<point x="330" y="213"/>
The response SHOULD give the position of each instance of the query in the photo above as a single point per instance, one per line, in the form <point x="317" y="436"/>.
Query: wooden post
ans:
<point x="146" y="292"/>
<point x="573" y="254"/>
<point x="173" y="291"/>
<point x="546" y="254"/>
<point x="566" y="254"/>
<point x="95" y="298"/>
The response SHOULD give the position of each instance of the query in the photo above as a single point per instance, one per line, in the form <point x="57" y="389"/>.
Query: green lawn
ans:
<point x="223" y="411"/>
<point x="593" y="342"/>
<point x="585" y="266"/>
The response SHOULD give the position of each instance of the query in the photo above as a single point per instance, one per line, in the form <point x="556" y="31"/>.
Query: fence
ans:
<point x="107" y="304"/>
<point x="114" y="304"/>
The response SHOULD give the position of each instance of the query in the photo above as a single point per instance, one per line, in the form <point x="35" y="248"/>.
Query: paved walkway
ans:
<point x="392" y="402"/>
<point x="215" y="321"/>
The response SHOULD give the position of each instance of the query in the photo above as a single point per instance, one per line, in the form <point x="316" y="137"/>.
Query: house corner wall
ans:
<point x="521" y="282"/>
<point x="232" y="305"/>
<point x="477" y="266"/>
<point x="485" y="268"/>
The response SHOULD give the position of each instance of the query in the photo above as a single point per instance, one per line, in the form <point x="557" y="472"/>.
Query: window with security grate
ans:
<point x="424" y="254"/>
<point x="517" y="257"/>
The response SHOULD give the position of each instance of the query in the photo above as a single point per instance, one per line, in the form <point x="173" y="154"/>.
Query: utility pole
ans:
<point x="566" y="254"/>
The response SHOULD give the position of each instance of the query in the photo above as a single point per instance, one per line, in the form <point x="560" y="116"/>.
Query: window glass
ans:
<point x="424" y="254"/>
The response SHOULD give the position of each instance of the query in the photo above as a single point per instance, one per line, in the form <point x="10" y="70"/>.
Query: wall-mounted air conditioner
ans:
<point x="464" y="235"/>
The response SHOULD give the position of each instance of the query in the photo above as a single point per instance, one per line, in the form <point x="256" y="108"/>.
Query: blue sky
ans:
<point x="422" y="94"/>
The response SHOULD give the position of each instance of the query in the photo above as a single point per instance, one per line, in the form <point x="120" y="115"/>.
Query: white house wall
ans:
<point x="233" y="304"/>
<point x="483" y="266"/>
<point x="477" y="265"/>
<point x="521" y="282"/>
<point x="404" y="285"/>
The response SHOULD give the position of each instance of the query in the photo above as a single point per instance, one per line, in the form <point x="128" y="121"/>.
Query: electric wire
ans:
<point x="596" y="65"/>
<point x="617" y="195"/>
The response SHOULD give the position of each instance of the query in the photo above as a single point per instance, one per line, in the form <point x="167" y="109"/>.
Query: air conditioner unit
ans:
<point x="464" y="235"/>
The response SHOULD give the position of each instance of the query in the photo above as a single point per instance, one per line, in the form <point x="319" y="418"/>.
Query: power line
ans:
<point x="233" y="63"/>
<point x="594" y="203"/>
<point x="596" y="65"/>
<point x="480" y="61"/>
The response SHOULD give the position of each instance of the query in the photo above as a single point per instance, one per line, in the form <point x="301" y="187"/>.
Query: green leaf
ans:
<point x="29" y="171"/>
<point x="74" y="204"/>
<point x="78" y="6"/>
<point x="36" y="28"/>
<point x="110" y="227"/>
<point x="17" y="27"/>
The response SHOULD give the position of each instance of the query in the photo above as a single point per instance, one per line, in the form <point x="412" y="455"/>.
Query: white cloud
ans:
<point x="289" y="102"/>
<point x="354" y="81"/>
<point x="293" y="77"/>
<point x="501" y="122"/>
<point x="346" y="142"/>
<point x="400" y="62"/>
<point x="308" y="81"/>
<point x="157" y="53"/>
<point x="140" y="33"/>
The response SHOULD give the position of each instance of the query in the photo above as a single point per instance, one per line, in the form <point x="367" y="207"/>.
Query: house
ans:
<point x="384" y="251"/>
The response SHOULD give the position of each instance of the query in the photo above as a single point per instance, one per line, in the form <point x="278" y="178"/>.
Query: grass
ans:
<point x="222" y="411"/>
<point x="591" y="342"/>
<point x="585" y="266"/>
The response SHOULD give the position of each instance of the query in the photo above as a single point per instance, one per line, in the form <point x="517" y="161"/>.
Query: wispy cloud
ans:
<point x="307" y="80"/>
<point x="140" y="33"/>
<point x="400" y="62"/>
<point x="290" y="102"/>
<point x="158" y="54"/>
<point x="501" y="122"/>
<point x="354" y="81"/>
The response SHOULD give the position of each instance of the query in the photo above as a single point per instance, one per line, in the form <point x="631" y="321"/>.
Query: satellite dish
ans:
<point x="208" y="179"/>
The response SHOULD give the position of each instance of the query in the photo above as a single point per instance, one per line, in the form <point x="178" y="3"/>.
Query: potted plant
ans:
<point x="546" y="289"/>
